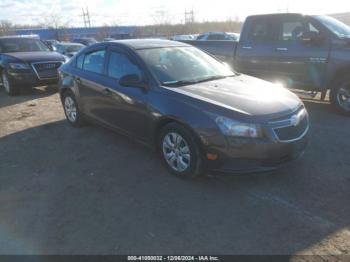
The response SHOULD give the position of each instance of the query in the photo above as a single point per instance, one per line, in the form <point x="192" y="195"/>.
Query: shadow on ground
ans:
<point x="90" y="191"/>
<point x="26" y="95"/>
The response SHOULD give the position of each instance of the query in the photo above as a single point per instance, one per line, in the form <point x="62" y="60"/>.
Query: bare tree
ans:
<point x="6" y="28"/>
<point x="56" y="22"/>
<point x="161" y="17"/>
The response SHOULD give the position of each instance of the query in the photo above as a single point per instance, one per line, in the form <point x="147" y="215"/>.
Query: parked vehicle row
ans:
<point x="191" y="108"/>
<point x="187" y="105"/>
<point x="311" y="53"/>
<point x="27" y="62"/>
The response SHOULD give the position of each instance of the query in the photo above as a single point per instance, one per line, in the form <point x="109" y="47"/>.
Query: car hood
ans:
<point x="245" y="95"/>
<point x="37" y="56"/>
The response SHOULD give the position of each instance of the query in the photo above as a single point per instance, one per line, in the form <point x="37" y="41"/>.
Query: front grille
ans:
<point x="292" y="132"/>
<point x="46" y="70"/>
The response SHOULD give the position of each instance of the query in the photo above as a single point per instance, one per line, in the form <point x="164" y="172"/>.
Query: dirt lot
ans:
<point x="90" y="191"/>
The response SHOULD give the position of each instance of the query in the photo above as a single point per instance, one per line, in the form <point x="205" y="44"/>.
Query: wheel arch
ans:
<point x="161" y="123"/>
<point x="339" y="74"/>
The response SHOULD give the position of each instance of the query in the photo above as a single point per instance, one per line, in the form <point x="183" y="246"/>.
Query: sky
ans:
<point x="142" y="12"/>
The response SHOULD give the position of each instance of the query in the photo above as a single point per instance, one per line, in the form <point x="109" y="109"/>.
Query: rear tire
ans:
<point x="340" y="95"/>
<point x="71" y="109"/>
<point x="180" y="151"/>
<point x="10" y="88"/>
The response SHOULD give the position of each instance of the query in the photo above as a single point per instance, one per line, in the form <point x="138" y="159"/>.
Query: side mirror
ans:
<point x="132" y="80"/>
<point x="312" y="38"/>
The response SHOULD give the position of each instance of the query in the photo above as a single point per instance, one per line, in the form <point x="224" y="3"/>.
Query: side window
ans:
<point x="291" y="31"/>
<point x="80" y="61"/>
<point x="260" y="31"/>
<point x="120" y="65"/>
<point x="311" y="28"/>
<point x="94" y="61"/>
<point x="216" y="37"/>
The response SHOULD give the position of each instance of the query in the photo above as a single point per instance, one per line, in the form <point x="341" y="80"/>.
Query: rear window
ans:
<point x="260" y="30"/>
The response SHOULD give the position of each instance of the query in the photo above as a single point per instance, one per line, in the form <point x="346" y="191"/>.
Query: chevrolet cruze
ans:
<point x="192" y="109"/>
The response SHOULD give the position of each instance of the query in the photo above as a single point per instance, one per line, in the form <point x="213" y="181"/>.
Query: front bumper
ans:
<point x="284" y="140"/>
<point x="257" y="156"/>
<point x="30" y="79"/>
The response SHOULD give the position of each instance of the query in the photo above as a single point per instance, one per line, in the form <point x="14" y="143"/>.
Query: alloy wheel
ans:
<point x="176" y="152"/>
<point x="70" y="109"/>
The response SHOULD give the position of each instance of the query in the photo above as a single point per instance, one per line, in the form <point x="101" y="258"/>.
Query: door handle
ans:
<point x="247" y="47"/>
<point x="282" y="49"/>
<point x="107" y="92"/>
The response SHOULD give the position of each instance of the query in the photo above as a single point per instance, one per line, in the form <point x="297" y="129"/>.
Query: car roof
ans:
<point x="278" y="15"/>
<point x="148" y="43"/>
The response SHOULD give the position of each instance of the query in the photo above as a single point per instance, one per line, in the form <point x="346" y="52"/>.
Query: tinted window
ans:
<point x="120" y="65"/>
<point x="94" y="61"/>
<point x="10" y="45"/>
<point x="291" y="31"/>
<point x="200" y="37"/>
<point x="260" y="30"/>
<point x="59" y="49"/>
<point x="80" y="61"/>
<point x="216" y="37"/>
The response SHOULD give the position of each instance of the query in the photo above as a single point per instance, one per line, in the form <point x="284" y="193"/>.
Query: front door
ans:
<point x="298" y="63"/>
<point x="127" y="108"/>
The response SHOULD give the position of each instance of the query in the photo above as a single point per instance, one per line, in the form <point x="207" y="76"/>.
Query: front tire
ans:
<point x="10" y="88"/>
<point x="180" y="151"/>
<point x="340" y="96"/>
<point x="71" y="109"/>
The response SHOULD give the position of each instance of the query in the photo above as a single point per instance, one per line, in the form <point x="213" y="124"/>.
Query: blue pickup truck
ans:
<point x="302" y="52"/>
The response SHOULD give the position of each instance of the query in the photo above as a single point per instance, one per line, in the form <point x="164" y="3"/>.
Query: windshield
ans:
<point x="334" y="25"/>
<point x="183" y="65"/>
<point x="11" y="45"/>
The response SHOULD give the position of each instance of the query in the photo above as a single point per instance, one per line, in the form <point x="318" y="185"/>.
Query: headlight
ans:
<point x="231" y="127"/>
<point x="19" y="66"/>
<point x="66" y="59"/>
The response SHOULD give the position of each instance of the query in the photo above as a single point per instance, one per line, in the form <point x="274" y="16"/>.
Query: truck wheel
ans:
<point x="180" y="152"/>
<point x="10" y="88"/>
<point x="340" y="96"/>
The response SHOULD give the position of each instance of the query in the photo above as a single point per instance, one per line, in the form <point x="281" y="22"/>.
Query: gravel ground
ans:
<point x="91" y="191"/>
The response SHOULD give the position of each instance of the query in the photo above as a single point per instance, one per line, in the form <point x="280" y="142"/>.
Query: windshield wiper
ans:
<point x="179" y="82"/>
<point x="211" y="78"/>
<point x="195" y="81"/>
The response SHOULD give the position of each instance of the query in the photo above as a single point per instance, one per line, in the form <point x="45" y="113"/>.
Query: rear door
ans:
<point x="254" y="54"/>
<point x="91" y="79"/>
<point x="299" y="64"/>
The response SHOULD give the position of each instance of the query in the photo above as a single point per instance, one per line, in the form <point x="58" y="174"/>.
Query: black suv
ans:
<point x="27" y="62"/>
